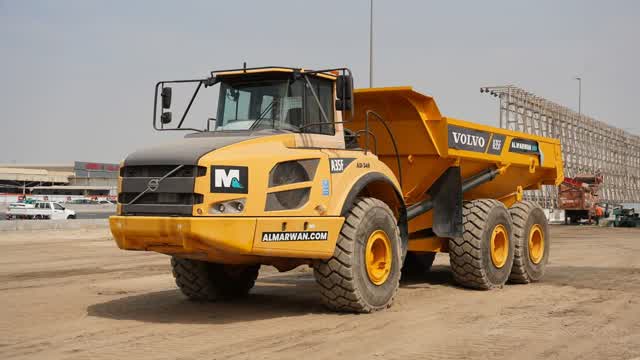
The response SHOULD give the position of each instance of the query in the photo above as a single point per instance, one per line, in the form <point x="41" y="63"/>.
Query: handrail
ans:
<point x="375" y="140"/>
<point x="393" y="139"/>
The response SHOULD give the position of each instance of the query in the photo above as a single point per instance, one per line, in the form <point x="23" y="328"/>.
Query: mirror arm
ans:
<point x="186" y="111"/>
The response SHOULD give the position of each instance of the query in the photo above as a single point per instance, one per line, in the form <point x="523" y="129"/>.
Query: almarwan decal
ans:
<point x="295" y="236"/>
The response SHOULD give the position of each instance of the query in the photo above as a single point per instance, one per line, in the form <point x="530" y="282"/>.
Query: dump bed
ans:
<point x="429" y="143"/>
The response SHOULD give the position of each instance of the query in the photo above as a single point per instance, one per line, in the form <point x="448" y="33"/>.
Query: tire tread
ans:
<point x="465" y="253"/>
<point x="336" y="277"/>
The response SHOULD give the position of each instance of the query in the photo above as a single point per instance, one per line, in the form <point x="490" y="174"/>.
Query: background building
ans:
<point x="59" y="182"/>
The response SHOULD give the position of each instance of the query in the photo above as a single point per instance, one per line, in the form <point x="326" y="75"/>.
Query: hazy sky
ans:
<point x="76" y="77"/>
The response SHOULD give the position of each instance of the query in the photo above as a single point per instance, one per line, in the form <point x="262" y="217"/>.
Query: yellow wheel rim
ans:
<point x="536" y="244"/>
<point x="499" y="246"/>
<point x="378" y="257"/>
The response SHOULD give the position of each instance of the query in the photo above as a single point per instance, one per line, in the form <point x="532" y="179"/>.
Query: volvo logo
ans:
<point x="153" y="184"/>
<point x="468" y="139"/>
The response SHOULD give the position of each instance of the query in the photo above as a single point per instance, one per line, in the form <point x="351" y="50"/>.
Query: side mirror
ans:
<point x="344" y="91"/>
<point x="166" y="97"/>
<point x="165" y="118"/>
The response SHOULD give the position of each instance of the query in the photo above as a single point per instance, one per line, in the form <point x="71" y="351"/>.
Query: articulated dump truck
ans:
<point x="298" y="168"/>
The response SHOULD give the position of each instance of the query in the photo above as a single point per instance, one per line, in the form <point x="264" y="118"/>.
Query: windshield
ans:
<point x="253" y="104"/>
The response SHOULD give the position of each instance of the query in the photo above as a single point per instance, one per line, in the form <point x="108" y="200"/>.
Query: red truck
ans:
<point x="578" y="197"/>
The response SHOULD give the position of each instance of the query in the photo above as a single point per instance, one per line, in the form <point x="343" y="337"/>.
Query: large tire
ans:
<point x="473" y="262"/>
<point x="346" y="283"/>
<point x="416" y="265"/>
<point x="531" y="238"/>
<point x="205" y="281"/>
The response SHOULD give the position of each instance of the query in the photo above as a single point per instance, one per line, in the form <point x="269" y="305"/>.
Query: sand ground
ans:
<point x="74" y="295"/>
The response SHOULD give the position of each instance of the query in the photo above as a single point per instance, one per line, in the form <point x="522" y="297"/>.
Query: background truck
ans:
<point x="297" y="168"/>
<point x="43" y="210"/>
<point x="578" y="197"/>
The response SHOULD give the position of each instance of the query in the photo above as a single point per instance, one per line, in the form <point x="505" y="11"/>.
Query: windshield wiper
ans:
<point x="261" y="116"/>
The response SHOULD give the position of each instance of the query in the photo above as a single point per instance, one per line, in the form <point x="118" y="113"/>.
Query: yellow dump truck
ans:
<point x="297" y="168"/>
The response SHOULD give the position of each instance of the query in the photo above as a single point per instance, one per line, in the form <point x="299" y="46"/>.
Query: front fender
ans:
<point x="380" y="184"/>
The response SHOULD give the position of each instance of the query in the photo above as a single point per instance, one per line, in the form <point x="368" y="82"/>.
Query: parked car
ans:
<point x="41" y="210"/>
<point x="82" y="202"/>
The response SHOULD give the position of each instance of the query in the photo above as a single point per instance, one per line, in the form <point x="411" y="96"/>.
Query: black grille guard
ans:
<point x="154" y="184"/>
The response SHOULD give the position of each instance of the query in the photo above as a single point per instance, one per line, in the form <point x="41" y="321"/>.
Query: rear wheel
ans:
<point x="482" y="258"/>
<point x="531" y="237"/>
<point x="363" y="274"/>
<point x="205" y="281"/>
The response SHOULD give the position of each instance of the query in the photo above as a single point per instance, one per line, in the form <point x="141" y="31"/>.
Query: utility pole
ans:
<point x="579" y="97"/>
<point x="371" y="44"/>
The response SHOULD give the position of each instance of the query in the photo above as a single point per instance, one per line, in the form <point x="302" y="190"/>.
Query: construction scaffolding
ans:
<point x="589" y="146"/>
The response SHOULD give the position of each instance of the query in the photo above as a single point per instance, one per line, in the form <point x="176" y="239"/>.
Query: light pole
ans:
<point x="371" y="44"/>
<point x="579" y="97"/>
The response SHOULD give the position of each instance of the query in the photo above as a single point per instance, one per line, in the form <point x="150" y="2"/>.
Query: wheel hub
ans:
<point x="536" y="244"/>
<point x="499" y="246"/>
<point x="378" y="257"/>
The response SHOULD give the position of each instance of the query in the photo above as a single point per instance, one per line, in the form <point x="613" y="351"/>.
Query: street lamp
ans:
<point x="579" y="97"/>
<point x="371" y="44"/>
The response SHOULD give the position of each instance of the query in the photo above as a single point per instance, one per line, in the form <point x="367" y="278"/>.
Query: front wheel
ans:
<point x="364" y="273"/>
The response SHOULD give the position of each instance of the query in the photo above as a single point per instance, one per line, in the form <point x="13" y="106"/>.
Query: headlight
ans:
<point x="286" y="173"/>
<point x="287" y="199"/>
<point x="291" y="172"/>
<point x="235" y="206"/>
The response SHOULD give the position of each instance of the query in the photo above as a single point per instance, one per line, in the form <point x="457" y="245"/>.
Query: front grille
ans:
<point x="161" y="170"/>
<point x="161" y="198"/>
<point x="173" y="195"/>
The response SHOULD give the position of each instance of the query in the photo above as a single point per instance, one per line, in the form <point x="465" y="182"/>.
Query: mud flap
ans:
<point x="446" y="194"/>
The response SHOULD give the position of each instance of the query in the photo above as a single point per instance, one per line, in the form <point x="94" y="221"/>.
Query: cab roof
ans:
<point x="273" y="69"/>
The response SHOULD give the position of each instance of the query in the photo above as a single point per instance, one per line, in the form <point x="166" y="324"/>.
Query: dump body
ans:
<point x="429" y="143"/>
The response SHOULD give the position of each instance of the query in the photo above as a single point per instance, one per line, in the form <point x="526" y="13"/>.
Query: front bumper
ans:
<point x="229" y="239"/>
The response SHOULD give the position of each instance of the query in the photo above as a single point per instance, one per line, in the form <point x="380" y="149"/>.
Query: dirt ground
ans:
<point x="74" y="295"/>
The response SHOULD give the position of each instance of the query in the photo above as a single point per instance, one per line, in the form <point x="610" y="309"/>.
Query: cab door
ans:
<point x="45" y="210"/>
<point x="59" y="212"/>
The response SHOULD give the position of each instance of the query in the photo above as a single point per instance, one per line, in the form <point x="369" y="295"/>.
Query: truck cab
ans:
<point x="272" y="158"/>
